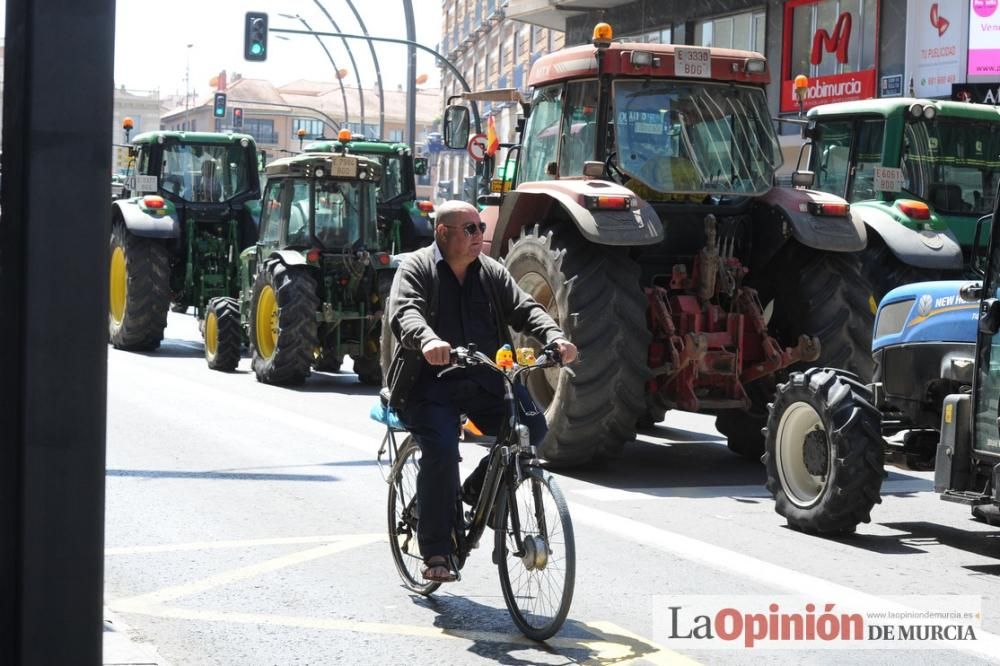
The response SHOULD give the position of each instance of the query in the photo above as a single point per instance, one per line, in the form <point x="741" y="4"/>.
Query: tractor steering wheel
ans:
<point x="611" y="168"/>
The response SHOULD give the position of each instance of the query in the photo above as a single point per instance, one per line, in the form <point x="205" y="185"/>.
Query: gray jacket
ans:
<point x="413" y="305"/>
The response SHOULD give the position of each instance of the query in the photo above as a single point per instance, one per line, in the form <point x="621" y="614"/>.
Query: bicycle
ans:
<point x="534" y="548"/>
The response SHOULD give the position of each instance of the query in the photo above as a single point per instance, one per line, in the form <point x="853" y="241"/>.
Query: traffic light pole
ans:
<point x="391" y="40"/>
<point x="411" y="77"/>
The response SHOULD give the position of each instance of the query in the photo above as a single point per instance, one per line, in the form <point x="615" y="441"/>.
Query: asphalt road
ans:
<point x="246" y="525"/>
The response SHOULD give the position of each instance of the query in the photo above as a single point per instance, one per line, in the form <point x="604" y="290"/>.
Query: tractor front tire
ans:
<point x="593" y="292"/>
<point x="818" y="294"/>
<point x="139" y="290"/>
<point x="223" y="336"/>
<point x="884" y="271"/>
<point x="283" y="327"/>
<point x="825" y="452"/>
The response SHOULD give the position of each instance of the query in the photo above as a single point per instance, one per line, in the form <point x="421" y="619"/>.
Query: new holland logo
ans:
<point x="838" y="42"/>
<point x="938" y="21"/>
<point x="924" y="305"/>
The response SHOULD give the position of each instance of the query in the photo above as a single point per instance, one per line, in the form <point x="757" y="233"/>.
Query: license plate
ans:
<point x="693" y="62"/>
<point x="343" y="167"/>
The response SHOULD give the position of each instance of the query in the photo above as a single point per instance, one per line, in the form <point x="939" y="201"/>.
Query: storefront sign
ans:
<point x="984" y="39"/>
<point x="891" y="86"/>
<point x="935" y="48"/>
<point x="837" y="53"/>
<point x="980" y="93"/>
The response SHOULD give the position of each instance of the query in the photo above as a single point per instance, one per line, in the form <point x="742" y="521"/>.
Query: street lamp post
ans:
<point x="354" y="64"/>
<point x="336" y="70"/>
<point x="187" y="89"/>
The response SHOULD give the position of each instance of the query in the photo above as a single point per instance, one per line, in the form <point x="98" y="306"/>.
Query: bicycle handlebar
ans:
<point x="463" y="357"/>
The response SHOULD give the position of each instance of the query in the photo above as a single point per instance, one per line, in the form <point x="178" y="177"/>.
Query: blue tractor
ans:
<point x="829" y="436"/>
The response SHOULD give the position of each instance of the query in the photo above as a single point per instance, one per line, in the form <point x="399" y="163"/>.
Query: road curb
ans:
<point x="121" y="650"/>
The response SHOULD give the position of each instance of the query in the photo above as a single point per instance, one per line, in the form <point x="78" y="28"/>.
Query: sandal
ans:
<point x="438" y="569"/>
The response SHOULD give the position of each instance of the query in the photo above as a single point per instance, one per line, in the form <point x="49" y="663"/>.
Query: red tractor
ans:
<point x="642" y="213"/>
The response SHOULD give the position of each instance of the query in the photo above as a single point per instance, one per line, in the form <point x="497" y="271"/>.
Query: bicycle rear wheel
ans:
<point x="537" y="579"/>
<point x="403" y="519"/>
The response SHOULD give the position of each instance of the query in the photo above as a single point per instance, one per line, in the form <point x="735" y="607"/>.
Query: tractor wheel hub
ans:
<point x="815" y="453"/>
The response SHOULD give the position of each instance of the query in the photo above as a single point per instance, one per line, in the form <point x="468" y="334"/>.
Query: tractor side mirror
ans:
<point x="971" y="292"/>
<point x="803" y="178"/>
<point x="456" y="126"/>
<point x="420" y="166"/>
<point x="989" y="317"/>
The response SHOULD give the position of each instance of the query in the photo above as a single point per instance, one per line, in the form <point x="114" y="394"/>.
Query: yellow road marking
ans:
<point x="607" y="643"/>
<point x="242" y="573"/>
<point x="657" y="655"/>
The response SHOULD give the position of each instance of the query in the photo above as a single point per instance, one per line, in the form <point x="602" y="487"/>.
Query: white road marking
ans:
<point x="751" y="568"/>
<point x="908" y="485"/>
<point x="241" y="543"/>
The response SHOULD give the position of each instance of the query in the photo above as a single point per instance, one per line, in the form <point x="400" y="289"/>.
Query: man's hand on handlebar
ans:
<point x="437" y="352"/>
<point x="567" y="350"/>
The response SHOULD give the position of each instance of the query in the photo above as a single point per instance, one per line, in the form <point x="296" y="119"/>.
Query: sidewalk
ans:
<point x="121" y="650"/>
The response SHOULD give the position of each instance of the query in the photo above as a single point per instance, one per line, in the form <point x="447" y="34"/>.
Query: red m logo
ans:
<point x="939" y="22"/>
<point x="839" y="42"/>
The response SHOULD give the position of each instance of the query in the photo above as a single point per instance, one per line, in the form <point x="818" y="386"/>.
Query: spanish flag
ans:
<point x="492" y="142"/>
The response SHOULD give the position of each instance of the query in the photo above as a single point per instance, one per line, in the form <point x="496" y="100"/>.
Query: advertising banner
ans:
<point x="835" y="45"/>
<point x="984" y="39"/>
<point x="935" y="46"/>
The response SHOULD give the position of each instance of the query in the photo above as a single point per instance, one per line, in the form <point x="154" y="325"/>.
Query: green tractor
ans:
<point x="405" y="219"/>
<point x="313" y="286"/>
<point x="919" y="172"/>
<point x="177" y="229"/>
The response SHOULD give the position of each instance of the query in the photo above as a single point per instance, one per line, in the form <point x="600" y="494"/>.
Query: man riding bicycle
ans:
<point x="444" y="296"/>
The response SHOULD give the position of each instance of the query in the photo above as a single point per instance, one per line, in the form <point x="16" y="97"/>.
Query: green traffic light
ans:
<point x="256" y="48"/>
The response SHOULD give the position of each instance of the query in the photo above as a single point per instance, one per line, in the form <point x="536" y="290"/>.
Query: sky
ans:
<point x="152" y="41"/>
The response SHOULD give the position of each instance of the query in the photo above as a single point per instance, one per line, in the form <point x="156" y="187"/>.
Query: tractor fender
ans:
<point x="163" y="223"/>
<point x="834" y="233"/>
<point x="287" y="258"/>
<point x="923" y="249"/>
<point x="535" y="202"/>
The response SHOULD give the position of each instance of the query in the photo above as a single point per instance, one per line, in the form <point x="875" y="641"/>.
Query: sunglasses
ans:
<point x="470" y="229"/>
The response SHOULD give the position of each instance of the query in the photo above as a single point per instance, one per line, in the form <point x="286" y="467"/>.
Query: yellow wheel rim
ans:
<point x="119" y="285"/>
<point x="267" y="322"/>
<point x="211" y="334"/>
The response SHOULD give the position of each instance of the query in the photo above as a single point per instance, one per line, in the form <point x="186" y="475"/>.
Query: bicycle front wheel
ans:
<point x="537" y="554"/>
<point x="403" y="518"/>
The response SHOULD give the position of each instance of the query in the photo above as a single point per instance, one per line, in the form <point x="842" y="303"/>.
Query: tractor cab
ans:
<point x="406" y="219"/>
<point x="325" y="201"/>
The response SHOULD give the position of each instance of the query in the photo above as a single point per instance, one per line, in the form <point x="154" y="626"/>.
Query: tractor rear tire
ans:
<point x="283" y="334"/>
<point x="223" y="335"/>
<point x="815" y="293"/>
<point x="825" y="452"/>
<point x="139" y="290"/>
<point x="368" y="369"/>
<point x="884" y="271"/>
<point x="593" y="292"/>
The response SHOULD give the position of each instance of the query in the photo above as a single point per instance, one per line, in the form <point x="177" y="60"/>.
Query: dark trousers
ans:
<point x="435" y="426"/>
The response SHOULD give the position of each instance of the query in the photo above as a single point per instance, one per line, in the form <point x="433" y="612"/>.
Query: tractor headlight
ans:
<point x="892" y="318"/>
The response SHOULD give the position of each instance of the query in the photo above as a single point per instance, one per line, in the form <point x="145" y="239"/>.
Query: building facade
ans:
<point x="273" y="115"/>
<point x="143" y="107"/>
<point x="491" y="51"/>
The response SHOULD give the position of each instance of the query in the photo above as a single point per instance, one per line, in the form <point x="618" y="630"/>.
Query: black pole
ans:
<point x="440" y="58"/>
<point x="336" y="71"/>
<point x="411" y="77"/>
<point x="354" y="64"/>
<point x="378" y="73"/>
<point x="53" y="341"/>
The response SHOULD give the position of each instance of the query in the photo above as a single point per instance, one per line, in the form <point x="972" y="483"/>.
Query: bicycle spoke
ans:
<point x="403" y="521"/>
<point x="538" y="583"/>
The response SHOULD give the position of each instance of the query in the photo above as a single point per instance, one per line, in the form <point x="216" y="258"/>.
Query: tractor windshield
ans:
<point x="206" y="173"/>
<point x="682" y="137"/>
<point x="342" y="207"/>
<point x="953" y="164"/>
<point x="393" y="183"/>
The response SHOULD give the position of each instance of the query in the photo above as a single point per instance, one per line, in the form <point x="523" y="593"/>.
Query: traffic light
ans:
<point x="255" y="36"/>
<point x="237" y="118"/>
<point x="219" y="111"/>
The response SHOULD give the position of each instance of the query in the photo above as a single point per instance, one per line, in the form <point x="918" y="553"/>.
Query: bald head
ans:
<point x="454" y="211"/>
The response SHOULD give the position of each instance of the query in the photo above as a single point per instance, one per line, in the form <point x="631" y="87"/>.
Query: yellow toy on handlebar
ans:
<point x="525" y="356"/>
<point x="505" y="358"/>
